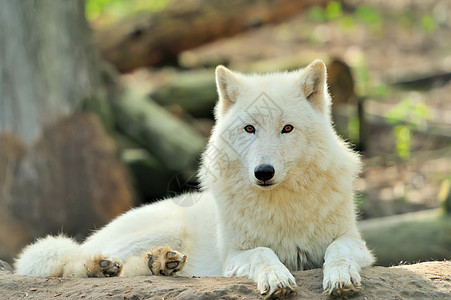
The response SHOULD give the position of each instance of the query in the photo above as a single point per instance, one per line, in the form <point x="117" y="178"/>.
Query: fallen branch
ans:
<point x="154" y="38"/>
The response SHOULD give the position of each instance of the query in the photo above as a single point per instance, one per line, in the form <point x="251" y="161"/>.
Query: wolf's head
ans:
<point x="269" y="128"/>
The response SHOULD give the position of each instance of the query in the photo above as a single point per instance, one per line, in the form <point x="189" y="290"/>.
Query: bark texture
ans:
<point x="58" y="168"/>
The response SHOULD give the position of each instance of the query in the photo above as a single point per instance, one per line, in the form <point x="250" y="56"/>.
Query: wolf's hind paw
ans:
<point x="165" y="261"/>
<point x="105" y="267"/>
<point x="110" y="268"/>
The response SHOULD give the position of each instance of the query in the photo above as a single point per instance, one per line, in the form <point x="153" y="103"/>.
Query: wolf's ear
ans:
<point x="314" y="85"/>
<point x="227" y="85"/>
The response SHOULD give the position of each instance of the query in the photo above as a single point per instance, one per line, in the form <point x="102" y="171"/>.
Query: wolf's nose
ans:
<point x="264" y="172"/>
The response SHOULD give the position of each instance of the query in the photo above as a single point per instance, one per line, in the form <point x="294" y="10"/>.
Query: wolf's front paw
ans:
<point x="165" y="261"/>
<point x="341" y="278"/>
<point x="276" y="282"/>
<point x="105" y="267"/>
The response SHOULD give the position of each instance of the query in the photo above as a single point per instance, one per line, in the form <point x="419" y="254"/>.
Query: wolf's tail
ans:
<point x="47" y="256"/>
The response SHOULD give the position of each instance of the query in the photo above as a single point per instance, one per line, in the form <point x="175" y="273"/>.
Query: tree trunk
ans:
<point x="47" y="64"/>
<point x="58" y="168"/>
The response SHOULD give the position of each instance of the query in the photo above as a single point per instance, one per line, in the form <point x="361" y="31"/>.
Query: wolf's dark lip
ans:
<point x="265" y="184"/>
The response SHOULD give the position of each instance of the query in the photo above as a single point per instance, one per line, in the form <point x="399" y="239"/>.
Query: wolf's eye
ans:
<point x="287" y="128"/>
<point x="249" y="129"/>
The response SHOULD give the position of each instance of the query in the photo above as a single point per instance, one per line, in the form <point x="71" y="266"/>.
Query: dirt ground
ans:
<point x="429" y="280"/>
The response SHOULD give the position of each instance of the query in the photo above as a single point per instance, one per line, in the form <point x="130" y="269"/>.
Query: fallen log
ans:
<point x="194" y="91"/>
<point x="423" y="82"/>
<point x="151" y="179"/>
<point x="177" y="145"/>
<point x="409" y="238"/>
<point x="150" y="39"/>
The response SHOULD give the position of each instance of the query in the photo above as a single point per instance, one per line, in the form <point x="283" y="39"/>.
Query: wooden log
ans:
<point x="154" y="128"/>
<point x="444" y="196"/>
<point x="149" y="176"/>
<point x="146" y="169"/>
<point x="150" y="39"/>
<point x="194" y="91"/>
<point x="423" y="82"/>
<point x="409" y="238"/>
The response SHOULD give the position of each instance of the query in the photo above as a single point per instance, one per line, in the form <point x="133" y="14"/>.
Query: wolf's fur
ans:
<point x="236" y="226"/>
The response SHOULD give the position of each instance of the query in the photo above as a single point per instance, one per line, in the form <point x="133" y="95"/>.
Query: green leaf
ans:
<point x="333" y="10"/>
<point x="428" y="23"/>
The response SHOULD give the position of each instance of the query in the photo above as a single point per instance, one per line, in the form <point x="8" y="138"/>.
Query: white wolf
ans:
<point x="277" y="196"/>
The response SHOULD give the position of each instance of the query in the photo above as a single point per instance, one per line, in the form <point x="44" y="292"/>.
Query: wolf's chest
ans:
<point x="294" y="227"/>
<point x="298" y="245"/>
<point x="296" y="250"/>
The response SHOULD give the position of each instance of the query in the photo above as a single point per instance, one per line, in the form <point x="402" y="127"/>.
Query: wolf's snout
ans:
<point x="264" y="172"/>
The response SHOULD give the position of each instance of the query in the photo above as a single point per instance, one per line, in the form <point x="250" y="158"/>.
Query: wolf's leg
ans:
<point x="159" y="261"/>
<point x="62" y="256"/>
<point x="92" y="266"/>
<point x="342" y="262"/>
<point x="264" y="267"/>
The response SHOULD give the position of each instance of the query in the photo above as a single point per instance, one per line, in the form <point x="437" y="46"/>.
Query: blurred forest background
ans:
<point x="107" y="104"/>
